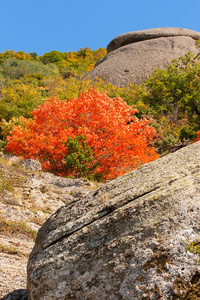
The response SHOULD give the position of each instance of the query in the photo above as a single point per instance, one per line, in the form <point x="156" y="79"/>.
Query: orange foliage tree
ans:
<point x="118" y="140"/>
<point x="198" y="137"/>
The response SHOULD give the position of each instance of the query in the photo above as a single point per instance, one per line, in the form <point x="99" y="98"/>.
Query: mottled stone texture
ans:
<point x="126" y="240"/>
<point x="133" y="56"/>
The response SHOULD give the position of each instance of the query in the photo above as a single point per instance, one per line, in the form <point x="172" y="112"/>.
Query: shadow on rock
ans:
<point x="16" y="295"/>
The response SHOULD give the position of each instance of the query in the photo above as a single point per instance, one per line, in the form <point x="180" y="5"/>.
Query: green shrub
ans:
<point x="15" y="68"/>
<point x="79" y="158"/>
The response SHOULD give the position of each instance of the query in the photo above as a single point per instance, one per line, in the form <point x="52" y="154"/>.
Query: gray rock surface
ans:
<point x="134" y="56"/>
<point x="28" y="197"/>
<point x="142" y="35"/>
<point x="31" y="164"/>
<point x="126" y="240"/>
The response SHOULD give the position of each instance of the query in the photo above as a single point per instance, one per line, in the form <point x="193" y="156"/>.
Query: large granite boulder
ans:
<point x="133" y="56"/>
<point x="126" y="240"/>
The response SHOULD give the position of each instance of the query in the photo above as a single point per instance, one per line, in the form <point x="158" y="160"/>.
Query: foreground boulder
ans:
<point x="133" y="56"/>
<point x="126" y="240"/>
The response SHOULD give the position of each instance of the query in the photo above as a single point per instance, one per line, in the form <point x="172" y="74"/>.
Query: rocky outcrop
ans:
<point x="28" y="197"/>
<point x="129" y="239"/>
<point x="143" y="35"/>
<point x="133" y="56"/>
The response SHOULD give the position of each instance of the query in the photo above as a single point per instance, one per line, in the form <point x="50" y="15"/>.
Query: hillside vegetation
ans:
<point x="169" y="101"/>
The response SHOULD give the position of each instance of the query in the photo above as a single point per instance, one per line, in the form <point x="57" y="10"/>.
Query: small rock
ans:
<point x="31" y="164"/>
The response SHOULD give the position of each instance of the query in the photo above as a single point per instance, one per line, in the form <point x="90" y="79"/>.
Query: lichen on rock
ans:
<point x="131" y="244"/>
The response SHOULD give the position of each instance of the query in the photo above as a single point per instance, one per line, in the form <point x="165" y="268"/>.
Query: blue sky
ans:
<point x="44" y="25"/>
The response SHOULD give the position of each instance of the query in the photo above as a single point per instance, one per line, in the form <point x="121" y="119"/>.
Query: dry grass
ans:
<point x="11" y="250"/>
<point x="13" y="227"/>
<point x="10" y="179"/>
<point x="37" y="220"/>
